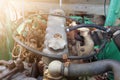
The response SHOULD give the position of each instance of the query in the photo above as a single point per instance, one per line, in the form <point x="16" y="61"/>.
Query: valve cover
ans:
<point x="55" y="39"/>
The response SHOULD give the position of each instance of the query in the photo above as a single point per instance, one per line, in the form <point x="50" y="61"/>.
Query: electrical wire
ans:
<point x="86" y="25"/>
<point x="59" y="57"/>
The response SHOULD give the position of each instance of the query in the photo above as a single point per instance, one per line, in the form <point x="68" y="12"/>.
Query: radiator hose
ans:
<point x="86" y="69"/>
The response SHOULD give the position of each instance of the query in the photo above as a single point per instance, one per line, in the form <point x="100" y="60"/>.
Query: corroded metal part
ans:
<point x="48" y="76"/>
<point x="80" y="42"/>
<point x="55" y="38"/>
<point x="31" y="32"/>
<point x="88" y="47"/>
<point x="19" y="68"/>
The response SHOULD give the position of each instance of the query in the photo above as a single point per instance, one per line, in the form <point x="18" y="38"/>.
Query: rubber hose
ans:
<point x="85" y="69"/>
<point x="86" y="25"/>
<point x="94" y="68"/>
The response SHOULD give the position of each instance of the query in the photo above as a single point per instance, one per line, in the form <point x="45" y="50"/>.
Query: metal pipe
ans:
<point x="60" y="3"/>
<point x="19" y="68"/>
<point x="87" y="69"/>
<point x="15" y="70"/>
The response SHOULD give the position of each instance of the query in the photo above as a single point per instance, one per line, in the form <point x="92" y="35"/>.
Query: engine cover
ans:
<point x="55" y="39"/>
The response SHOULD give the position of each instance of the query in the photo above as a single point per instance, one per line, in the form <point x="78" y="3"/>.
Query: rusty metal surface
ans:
<point x="32" y="34"/>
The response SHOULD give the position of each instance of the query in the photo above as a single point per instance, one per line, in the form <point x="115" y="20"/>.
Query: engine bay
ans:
<point x="71" y="41"/>
<point x="57" y="47"/>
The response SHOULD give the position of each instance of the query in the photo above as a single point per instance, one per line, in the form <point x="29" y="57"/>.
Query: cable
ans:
<point x="59" y="57"/>
<point x="86" y="25"/>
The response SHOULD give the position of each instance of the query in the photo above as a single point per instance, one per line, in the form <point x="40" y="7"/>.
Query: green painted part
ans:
<point x="86" y="20"/>
<point x="111" y="51"/>
<point x="78" y="18"/>
<point x="113" y="12"/>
